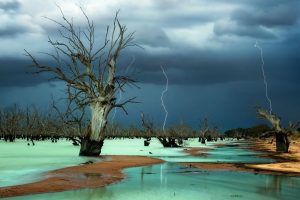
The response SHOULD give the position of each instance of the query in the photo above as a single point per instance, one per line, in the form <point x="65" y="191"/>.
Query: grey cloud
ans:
<point x="260" y="19"/>
<point x="10" y="5"/>
<point x="279" y="15"/>
<point x="187" y="69"/>
<point x="193" y="67"/>
<point x="153" y="36"/>
<point x="16" y="72"/>
<point x="240" y="30"/>
<point x="12" y="30"/>
<point x="199" y="72"/>
<point x="187" y="20"/>
<point x="185" y="64"/>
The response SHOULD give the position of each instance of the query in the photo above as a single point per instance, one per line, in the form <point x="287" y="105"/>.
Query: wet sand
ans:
<point x="198" y="151"/>
<point x="216" y="166"/>
<point x="287" y="162"/>
<point x="240" y="167"/>
<point x="79" y="177"/>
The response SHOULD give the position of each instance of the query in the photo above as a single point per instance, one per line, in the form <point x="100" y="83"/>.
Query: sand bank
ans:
<point x="197" y="151"/>
<point x="79" y="177"/>
<point x="287" y="162"/>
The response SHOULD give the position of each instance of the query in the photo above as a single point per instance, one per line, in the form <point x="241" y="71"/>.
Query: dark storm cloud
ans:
<point x="186" y="21"/>
<point x="17" y="72"/>
<point x="257" y="19"/>
<point x="13" y="30"/>
<point x="206" y="68"/>
<point x="280" y="15"/>
<point x="186" y="64"/>
<point x="241" y="30"/>
<point x="206" y="48"/>
<point x="257" y="3"/>
<point x="11" y="5"/>
<point x="12" y="22"/>
<point x="215" y="68"/>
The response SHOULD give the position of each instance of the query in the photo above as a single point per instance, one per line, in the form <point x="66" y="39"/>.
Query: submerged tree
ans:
<point x="166" y="139"/>
<point x="204" y="129"/>
<point x="89" y="72"/>
<point x="11" y="123"/>
<point x="281" y="134"/>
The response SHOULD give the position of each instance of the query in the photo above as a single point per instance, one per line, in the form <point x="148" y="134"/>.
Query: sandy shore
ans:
<point x="287" y="162"/>
<point x="79" y="177"/>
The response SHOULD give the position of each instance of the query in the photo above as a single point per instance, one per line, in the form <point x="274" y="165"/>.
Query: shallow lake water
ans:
<point x="174" y="181"/>
<point x="20" y="163"/>
<point x="221" y="155"/>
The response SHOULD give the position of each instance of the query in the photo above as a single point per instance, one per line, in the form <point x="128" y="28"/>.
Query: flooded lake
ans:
<point x="175" y="181"/>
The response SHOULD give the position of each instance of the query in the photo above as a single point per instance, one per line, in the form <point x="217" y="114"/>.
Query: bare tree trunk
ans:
<point x="282" y="143"/>
<point x="99" y="120"/>
<point x="94" y="139"/>
<point x="90" y="147"/>
<point x="202" y="140"/>
<point x="168" y="141"/>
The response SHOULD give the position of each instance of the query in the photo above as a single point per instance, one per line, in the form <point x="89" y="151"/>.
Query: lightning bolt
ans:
<point x="256" y="45"/>
<point x="162" y="98"/>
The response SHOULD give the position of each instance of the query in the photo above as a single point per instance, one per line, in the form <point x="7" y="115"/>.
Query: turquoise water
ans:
<point x="173" y="181"/>
<point x="224" y="155"/>
<point x="20" y="164"/>
<point x="158" y="182"/>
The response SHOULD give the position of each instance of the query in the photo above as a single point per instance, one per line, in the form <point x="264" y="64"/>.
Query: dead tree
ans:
<point x="204" y="129"/>
<point x="11" y="123"/>
<point x="213" y="134"/>
<point x="89" y="72"/>
<point x="281" y="134"/>
<point x="165" y="140"/>
<point x="31" y="125"/>
<point x="181" y="131"/>
<point x="73" y="121"/>
<point x="149" y="129"/>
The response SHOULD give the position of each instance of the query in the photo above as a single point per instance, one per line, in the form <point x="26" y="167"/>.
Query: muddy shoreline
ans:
<point x="197" y="151"/>
<point x="285" y="163"/>
<point x="80" y="177"/>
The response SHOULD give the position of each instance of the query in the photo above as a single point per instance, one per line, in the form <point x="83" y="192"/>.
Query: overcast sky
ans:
<point x="206" y="47"/>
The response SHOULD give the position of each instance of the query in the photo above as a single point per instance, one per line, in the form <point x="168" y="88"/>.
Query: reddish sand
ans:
<point x="78" y="177"/>
<point x="219" y="145"/>
<point x="197" y="151"/>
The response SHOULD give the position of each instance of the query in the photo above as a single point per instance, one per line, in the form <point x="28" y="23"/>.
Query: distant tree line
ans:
<point x="254" y="131"/>
<point x="34" y="124"/>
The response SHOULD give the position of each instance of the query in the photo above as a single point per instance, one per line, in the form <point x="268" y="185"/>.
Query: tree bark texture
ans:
<point x="282" y="143"/>
<point x="90" y="147"/>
